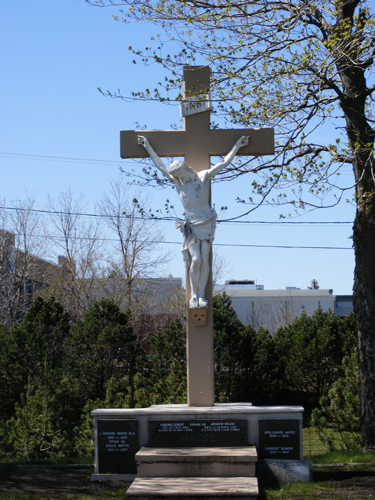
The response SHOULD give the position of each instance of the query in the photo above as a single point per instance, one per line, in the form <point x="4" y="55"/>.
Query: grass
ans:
<point x="344" y="457"/>
<point x="307" y="491"/>
<point x="314" y="449"/>
<point x="299" y="491"/>
<point x="312" y="444"/>
<point x="48" y="461"/>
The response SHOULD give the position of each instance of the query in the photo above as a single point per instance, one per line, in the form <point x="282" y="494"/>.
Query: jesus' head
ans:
<point x="182" y="171"/>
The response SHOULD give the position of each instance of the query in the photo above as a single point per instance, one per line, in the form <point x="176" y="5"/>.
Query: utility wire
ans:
<point x="23" y="156"/>
<point x="172" y="219"/>
<point x="161" y="242"/>
<point x="27" y="156"/>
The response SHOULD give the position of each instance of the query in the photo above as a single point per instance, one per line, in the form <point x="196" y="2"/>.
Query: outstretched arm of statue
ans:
<point x="243" y="141"/>
<point x="154" y="157"/>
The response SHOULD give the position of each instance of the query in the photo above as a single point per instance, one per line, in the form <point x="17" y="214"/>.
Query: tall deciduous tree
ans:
<point x="78" y="243"/>
<point x="22" y="247"/>
<point x="133" y="261"/>
<point x="133" y="237"/>
<point x="298" y="66"/>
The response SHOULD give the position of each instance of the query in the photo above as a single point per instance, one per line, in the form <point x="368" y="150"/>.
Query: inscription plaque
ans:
<point x="117" y="446"/>
<point x="201" y="433"/>
<point x="279" y="439"/>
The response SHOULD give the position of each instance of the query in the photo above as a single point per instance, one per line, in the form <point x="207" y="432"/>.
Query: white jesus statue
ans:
<point x="200" y="219"/>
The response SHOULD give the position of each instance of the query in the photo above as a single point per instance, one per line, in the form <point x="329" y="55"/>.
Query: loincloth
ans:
<point x="193" y="231"/>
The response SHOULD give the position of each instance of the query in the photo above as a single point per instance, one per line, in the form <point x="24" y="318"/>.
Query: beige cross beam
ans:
<point x="197" y="142"/>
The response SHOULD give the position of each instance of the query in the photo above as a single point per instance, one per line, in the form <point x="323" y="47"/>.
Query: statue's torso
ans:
<point x="194" y="197"/>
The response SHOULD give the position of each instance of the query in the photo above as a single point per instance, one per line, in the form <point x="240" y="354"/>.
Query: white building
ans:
<point x="274" y="308"/>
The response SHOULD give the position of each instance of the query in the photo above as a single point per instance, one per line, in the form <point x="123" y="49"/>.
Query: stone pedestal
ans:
<point x="221" y="425"/>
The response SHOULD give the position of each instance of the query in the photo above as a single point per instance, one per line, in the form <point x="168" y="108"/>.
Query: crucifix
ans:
<point x="197" y="143"/>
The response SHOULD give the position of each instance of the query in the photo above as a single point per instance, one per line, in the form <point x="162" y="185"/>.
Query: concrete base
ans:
<point x="196" y="462"/>
<point x="274" y="472"/>
<point x="194" y="487"/>
<point x="234" y="411"/>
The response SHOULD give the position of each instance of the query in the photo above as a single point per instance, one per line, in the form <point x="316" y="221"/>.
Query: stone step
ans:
<point x="197" y="462"/>
<point x="193" y="488"/>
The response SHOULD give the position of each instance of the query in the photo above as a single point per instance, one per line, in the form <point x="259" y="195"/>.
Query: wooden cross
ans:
<point x="197" y="143"/>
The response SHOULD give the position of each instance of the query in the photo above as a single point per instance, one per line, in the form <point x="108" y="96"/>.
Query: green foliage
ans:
<point x="90" y="367"/>
<point x="163" y="377"/>
<point x="228" y="342"/>
<point x="339" y="410"/>
<point x="314" y="285"/>
<point x="102" y="346"/>
<point x="295" y="366"/>
<point x="322" y="490"/>
<point x="291" y="65"/>
<point x="317" y="450"/>
<point x="70" y="373"/>
<point x="345" y="457"/>
<point x="35" y="430"/>
<point x="310" y="352"/>
<point x="264" y="385"/>
<point x="26" y="350"/>
<point x="171" y="390"/>
<point x="244" y="361"/>
<point x="83" y="434"/>
<point x="44" y="329"/>
<point x="312" y="443"/>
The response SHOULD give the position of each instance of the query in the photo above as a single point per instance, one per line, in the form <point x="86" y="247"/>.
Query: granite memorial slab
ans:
<point x="279" y="439"/>
<point x="117" y="446"/>
<point x="197" y="433"/>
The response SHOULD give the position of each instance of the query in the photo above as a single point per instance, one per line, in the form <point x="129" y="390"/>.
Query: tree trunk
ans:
<point x="364" y="309"/>
<point x="362" y="138"/>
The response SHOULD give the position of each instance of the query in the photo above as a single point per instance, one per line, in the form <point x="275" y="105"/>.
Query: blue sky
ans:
<point x="54" y="56"/>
